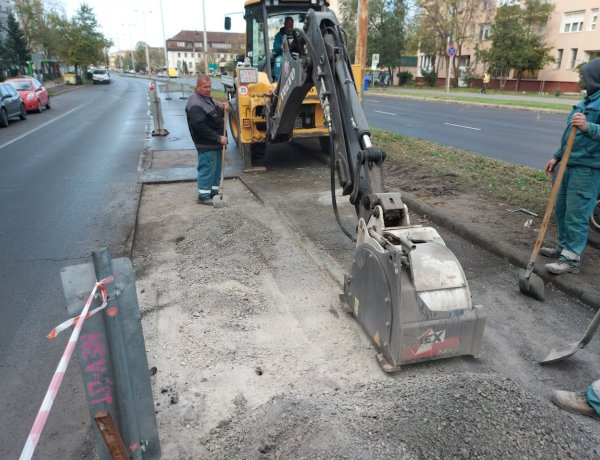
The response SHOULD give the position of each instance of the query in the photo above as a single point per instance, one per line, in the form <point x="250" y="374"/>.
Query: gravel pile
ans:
<point x="448" y="416"/>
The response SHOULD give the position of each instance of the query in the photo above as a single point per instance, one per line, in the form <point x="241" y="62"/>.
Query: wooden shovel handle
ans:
<point x="551" y="201"/>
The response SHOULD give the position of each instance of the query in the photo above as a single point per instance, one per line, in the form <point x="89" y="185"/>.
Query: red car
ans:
<point x="32" y="92"/>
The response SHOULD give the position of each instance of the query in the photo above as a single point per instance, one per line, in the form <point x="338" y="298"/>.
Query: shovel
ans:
<point x="564" y="351"/>
<point x="529" y="283"/>
<point x="218" y="201"/>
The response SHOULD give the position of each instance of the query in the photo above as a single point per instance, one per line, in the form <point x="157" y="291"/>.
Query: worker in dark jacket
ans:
<point x="581" y="183"/>
<point x="206" y="122"/>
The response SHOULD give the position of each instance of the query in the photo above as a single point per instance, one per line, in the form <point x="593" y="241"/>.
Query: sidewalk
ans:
<point x="173" y="159"/>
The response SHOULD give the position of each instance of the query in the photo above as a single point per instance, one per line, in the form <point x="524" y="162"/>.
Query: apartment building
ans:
<point x="186" y="49"/>
<point x="572" y="32"/>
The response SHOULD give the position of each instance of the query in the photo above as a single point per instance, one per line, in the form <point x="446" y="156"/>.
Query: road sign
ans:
<point x="451" y="50"/>
<point x="374" y="61"/>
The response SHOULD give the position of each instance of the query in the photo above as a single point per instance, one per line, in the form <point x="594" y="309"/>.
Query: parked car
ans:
<point x="100" y="76"/>
<point x="12" y="104"/>
<point x="33" y="93"/>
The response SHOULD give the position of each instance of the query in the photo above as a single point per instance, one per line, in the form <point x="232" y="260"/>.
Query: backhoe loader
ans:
<point x="405" y="287"/>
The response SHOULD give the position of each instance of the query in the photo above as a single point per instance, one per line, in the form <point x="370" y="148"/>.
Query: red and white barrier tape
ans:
<point x="42" y="416"/>
<point x="72" y="322"/>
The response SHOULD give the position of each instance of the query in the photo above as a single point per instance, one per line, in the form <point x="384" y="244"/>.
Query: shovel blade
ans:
<point x="561" y="352"/>
<point x="533" y="286"/>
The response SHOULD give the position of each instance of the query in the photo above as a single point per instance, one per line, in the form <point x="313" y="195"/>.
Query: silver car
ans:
<point x="12" y="105"/>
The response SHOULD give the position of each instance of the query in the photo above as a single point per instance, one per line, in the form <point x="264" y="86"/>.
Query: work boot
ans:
<point x="573" y="402"/>
<point x="561" y="266"/>
<point x="206" y="201"/>
<point x="550" y="252"/>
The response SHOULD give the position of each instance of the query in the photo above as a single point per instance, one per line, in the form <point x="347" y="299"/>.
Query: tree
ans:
<point x="41" y="24"/>
<point x="517" y="41"/>
<point x="14" y="52"/>
<point x="386" y="29"/>
<point x="444" y="21"/>
<point x="81" y="44"/>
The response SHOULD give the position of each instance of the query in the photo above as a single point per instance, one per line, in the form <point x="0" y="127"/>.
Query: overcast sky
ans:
<point x="119" y="21"/>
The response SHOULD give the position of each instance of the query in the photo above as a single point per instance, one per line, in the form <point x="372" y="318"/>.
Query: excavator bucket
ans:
<point x="410" y="295"/>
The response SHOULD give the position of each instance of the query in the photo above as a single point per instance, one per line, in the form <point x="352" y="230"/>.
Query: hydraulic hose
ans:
<point x="333" y="199"/>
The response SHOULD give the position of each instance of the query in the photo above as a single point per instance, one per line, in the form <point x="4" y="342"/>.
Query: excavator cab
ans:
<point x="251" y="88"/>
<point x="405" y="287"/>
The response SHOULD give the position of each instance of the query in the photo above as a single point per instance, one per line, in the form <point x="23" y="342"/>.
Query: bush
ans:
<point x="429" y="77"/>
<point x="405" y="78"/>
<point x="557" y="92"/>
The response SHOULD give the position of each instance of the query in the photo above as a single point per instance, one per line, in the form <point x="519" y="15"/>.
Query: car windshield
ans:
<point x="20" y="85"/>
<point x="99" y="72"/>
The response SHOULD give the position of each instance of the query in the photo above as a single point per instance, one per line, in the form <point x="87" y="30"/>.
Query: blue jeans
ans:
<point x="209" y="173"/>
<point x="574" y="205"/>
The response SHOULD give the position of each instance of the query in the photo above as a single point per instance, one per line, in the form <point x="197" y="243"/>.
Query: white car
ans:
<point x="100" y="76"/>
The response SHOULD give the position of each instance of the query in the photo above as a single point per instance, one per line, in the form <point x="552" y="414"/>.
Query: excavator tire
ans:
<point x="234" y="122"/>
<point x="246" y="152"/>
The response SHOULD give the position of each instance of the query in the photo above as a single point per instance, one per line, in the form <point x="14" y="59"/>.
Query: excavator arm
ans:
<point x="321" y="60"/>
<point x="406" y="288"/>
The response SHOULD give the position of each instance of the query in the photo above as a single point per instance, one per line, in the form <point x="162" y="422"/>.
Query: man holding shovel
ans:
<point x="581" y="182"/>
<point x="206" y="124"/>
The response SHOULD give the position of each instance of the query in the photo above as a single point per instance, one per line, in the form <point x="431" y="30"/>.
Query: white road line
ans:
<point x="461" y="126"/>
<point x="370" y="100"/>
<point x="39" y="127"/>
<point x="385" y="113"/>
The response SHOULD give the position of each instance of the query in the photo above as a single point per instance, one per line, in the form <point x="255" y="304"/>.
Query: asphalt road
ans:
<point x="68" y="182"/>
<point x="523" y="137"/>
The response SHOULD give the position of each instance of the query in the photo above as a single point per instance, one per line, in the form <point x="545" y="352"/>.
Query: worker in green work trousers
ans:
<point x="581" y="182"/>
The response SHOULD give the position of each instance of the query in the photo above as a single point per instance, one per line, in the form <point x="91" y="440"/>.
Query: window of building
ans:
<point x="486" y="5"/>
<point x="594" y="19"/>
<point x="198" y="44"/>
<point x="559" y="57"/>
<point x="484" y="31"/>
<point x="573" y="58"/>
<point x="181" y="44"/>
<point x="426" y="63"/>
<point x="178" y="54"/>
<point x="573" y="22"/>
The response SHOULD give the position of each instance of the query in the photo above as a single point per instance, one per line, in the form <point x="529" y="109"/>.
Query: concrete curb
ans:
<point x="500" y="249"/>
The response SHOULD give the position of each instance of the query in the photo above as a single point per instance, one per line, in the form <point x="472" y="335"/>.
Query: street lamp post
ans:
<point x="131" y="46"/>
<point x="143" y="13"/>
<point x="162" y="20"/>
<point x="205" y="41"/>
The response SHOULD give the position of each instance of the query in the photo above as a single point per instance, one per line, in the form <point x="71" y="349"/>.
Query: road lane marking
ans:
<point x="462" y="126"/>
<point x="39" y="127"/>
<point x="385" y="113"/>
<point x="370" y="100"/>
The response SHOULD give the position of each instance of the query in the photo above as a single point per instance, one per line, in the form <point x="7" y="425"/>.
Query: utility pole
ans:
<point x="362" y="23"/>
<point x="205" y="41"/>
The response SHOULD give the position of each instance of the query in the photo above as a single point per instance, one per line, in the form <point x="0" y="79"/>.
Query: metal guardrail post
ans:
<point x="112" y="355"/>
<point x="183" y="96"/>
<point x="127" y="415"/>
<point x="156" y="110"/>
